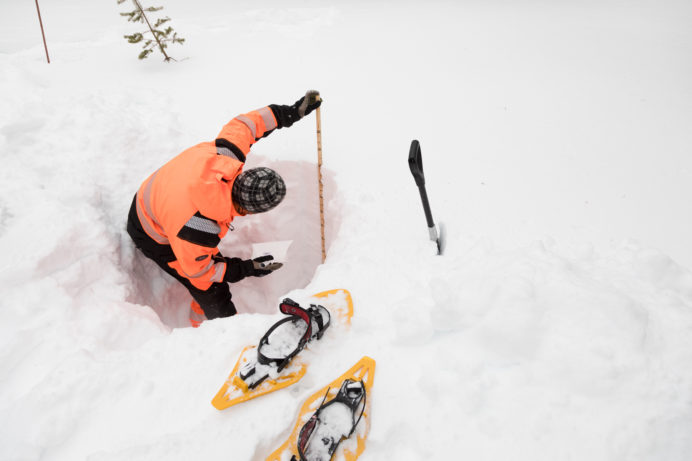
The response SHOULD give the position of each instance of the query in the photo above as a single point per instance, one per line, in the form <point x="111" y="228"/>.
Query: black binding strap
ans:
<point x="317" y="316"/>
<point x="296" y="312"/>
<point x="352" y="403"/>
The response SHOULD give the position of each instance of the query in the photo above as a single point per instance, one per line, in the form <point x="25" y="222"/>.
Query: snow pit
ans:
<point x="296" y="219"/>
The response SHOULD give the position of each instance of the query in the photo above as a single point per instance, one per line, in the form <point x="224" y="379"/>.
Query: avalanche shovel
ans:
<point x="415" y="162"/>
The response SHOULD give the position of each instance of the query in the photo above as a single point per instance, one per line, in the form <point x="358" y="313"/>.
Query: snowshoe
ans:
<point x="271" y="365"/>
<point x="336" y="425"/>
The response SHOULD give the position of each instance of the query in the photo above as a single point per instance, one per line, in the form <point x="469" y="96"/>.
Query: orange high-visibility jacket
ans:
<point x="187" y="202"/>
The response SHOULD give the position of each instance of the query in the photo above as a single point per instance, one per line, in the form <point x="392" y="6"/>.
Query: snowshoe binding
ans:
<point x="283" y="341"/>
<point x="333" y="422"/>
<point x="270" y="366"/>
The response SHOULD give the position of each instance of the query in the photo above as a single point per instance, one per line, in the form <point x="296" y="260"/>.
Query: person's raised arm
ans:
<point x="243" y="131"/>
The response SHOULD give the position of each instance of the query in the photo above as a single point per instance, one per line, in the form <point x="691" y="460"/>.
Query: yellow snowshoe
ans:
<point x="271" y="365"/>
<point x="334" y="420"/>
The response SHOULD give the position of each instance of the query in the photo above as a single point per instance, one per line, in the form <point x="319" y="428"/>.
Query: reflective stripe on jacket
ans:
<point x="187" y="202"/>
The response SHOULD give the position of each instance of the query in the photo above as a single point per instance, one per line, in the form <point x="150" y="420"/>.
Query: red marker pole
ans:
<point x="38" y="10"/>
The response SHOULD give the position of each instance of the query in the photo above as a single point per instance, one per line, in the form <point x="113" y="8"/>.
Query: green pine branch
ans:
<point x="160" y="38"/>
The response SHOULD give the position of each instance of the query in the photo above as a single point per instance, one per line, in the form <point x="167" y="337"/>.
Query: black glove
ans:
<point x="288" y="115"/>
<point x="237" y="269"/>
<point x="264" y="265"/>
<point x="308" y="103"/>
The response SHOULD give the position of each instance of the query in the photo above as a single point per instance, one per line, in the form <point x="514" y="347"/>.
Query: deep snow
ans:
<point x="555" y="138"/>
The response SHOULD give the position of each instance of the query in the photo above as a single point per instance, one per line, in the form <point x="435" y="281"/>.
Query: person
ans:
<point x="182" y="211"/>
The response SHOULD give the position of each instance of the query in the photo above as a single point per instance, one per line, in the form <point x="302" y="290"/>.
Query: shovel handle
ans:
<point x="415" y="163"/>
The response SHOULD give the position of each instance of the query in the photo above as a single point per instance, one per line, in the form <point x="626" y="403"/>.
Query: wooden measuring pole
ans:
<point x="42" y="33"/>
<point x="319" y="178"/>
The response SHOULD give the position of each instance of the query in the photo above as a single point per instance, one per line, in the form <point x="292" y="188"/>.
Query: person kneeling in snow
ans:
<point x="182" y="210"/>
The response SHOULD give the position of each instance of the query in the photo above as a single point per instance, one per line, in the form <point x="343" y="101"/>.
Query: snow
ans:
<point x="555" y="140"/>
<point x="335" y="422"/>
<point x="284" y="339"/>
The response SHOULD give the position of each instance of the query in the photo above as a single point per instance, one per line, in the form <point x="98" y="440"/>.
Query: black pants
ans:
<point x="215" y="301"/>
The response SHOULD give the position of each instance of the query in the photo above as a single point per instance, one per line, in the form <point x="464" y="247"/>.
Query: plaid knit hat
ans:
<point x="258" y="189"/>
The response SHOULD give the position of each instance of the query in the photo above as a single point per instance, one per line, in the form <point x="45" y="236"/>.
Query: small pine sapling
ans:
<point x="160" y="38"/>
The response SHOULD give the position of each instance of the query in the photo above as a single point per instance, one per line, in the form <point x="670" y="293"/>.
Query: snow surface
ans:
<point x="556" y="140"/>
